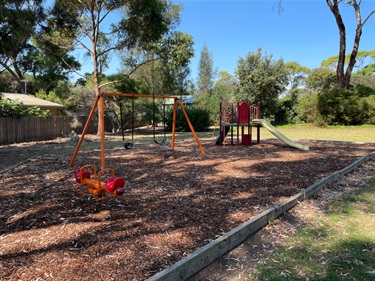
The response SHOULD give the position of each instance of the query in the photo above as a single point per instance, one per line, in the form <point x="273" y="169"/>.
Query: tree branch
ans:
<point x="128" y="74"/>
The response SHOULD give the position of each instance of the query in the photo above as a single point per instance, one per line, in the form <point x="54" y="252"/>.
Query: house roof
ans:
<point x="30" y="101"/>
<point x="184" y="100"/>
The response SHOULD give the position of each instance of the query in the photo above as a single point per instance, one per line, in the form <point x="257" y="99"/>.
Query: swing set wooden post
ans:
<point x="84" y="131"/>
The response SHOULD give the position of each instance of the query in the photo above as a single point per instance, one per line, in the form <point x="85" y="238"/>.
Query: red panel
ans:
<point x="243" y="113"/>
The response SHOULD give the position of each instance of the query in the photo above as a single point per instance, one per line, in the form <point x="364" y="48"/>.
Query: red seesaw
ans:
<point x="111" y="188"/>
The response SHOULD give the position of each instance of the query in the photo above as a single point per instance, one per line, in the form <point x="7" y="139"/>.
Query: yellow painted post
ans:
<point x="84" y="131"/>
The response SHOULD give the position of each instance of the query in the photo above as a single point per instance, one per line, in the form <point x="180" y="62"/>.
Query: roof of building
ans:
<point x="30" y="101"/>
<point x="184" y="100"/>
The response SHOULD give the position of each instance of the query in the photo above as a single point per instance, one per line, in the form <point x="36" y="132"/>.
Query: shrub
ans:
<point x="308" y="111"/>
<point x="14" y="109"/>
<point x="199" y="118"/>
<point x="347" y="106"/>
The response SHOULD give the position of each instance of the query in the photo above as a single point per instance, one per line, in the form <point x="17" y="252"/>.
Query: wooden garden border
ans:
<point x="195" y="262"/>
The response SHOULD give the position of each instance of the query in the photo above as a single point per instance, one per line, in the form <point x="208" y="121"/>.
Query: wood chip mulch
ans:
<point x="175" y="202"/>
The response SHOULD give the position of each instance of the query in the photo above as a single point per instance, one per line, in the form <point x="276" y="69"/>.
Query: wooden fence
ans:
<point x="16" y="130"/>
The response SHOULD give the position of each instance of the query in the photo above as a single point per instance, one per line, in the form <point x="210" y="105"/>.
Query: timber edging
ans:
<point x="202" y="257"/>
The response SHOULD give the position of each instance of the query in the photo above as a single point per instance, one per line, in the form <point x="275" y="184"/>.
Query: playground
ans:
<point x="174" y="202"/>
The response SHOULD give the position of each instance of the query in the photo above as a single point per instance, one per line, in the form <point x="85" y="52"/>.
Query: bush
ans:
<point x="199" y="118"/>
<point x="308" y="111"/>
<point x="347" y="106"/>
<point x="14" y="109"/>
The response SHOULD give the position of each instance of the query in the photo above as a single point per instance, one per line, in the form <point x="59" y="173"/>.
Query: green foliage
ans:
<point x="368" y="70"/>
<point x="261" y="79"/>
<point x="206" y="72"/>
<point x="205" y="78"/>
<point x="223" y="90"/>
<point x="346" y="106"/>
<point x="363" y="80"/>
<point x="321" y="78"/>
<point x="36" y="111"/>
<point x="364" y="91"/>
<point x="297" y="73"/>
<point x="10" y="108"/>
<point x="286" y="110"/>
<point x="199" y="118"/>
<point x="308" y="110"/>
<point x="14" y="109"/>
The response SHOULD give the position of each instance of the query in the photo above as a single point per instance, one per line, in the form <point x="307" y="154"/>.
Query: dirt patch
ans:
<point x="175" y="202"/>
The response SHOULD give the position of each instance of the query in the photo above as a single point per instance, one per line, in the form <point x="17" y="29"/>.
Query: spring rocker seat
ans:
<point x="112" y="187"/>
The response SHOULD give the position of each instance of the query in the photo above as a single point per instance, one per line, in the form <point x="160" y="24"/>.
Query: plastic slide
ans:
<point x="264" y="123"/>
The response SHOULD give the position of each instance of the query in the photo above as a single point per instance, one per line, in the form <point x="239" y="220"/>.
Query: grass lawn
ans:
<point x="334" y="133"/>
<point x="337" y="243"/>
<point x="295" y="132"/>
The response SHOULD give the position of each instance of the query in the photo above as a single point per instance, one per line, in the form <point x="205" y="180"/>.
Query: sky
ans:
<point x="304" y="31"/>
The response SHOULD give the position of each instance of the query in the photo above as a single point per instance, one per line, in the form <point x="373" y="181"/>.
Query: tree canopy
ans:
<point x="261" y="79"/>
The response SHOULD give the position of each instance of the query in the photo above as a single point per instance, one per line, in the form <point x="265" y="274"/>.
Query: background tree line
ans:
<point x="39" y="41"/>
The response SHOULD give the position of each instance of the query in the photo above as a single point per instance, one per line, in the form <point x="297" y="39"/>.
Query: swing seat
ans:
<point x="113" y="184"/>
<point x="85" y="175"/>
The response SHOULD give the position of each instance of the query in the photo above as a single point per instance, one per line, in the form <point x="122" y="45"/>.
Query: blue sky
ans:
<point x="305" y="31"/>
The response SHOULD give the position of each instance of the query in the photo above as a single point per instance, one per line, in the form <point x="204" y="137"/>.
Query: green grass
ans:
<point x="334" y="133"/>
<point x="336" y="245"/>
<point x="295" y="132"/>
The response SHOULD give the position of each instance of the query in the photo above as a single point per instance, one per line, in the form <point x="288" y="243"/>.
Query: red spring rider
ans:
<point x="112" y="187"/>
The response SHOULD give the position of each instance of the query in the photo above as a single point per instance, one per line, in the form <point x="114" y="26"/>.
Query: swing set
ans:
<point x="114" y="186"/>
<point x="130" y="144"/>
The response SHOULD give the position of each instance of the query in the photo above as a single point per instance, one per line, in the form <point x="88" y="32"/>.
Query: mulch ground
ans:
<point x="175" y="202"/>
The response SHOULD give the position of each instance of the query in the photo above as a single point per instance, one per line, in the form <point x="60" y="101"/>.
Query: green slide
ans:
<point x="264" y="123"/>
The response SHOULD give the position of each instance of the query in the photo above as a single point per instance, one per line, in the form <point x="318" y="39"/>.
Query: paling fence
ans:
<point x="16" y="130"/>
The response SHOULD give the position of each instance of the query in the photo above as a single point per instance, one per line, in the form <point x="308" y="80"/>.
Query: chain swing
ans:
<point x="164" y="121"/>
<point x="128" y="144"/>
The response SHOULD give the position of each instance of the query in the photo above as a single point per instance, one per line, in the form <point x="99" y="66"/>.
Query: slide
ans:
<point x="264" y="123"/>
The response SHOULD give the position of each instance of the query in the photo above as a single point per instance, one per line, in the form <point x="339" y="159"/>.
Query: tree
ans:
<point x="19" y="21"/>
<point x="361" y="60"/>
<point x="320" y="78"/>
<point x="223" y="90"/>
<point x="261" y="79"/>
<point x="140" y="23"/>
<point x="297" y="73"/>
<point x="205" y="75"/>
<point x="343" y="76"/>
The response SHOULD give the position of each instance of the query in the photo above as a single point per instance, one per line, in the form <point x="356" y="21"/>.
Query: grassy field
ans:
<point x="294" y="132"/>
<point x="334" y="133"/>
<point x="338" y="244"/>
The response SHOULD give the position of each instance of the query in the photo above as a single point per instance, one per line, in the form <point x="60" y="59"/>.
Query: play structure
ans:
<point x="238" y="119"/>
<point x="114" y="186"/>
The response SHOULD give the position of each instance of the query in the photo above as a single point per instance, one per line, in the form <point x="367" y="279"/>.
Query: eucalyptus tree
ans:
<point x="363" y="60"/>
<point x="297" y="74"/>
<point x="129" y="25"/>
<point x="19" y="21"/>
<point x="343" y="75"/>
<point x="261" y="79"/>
